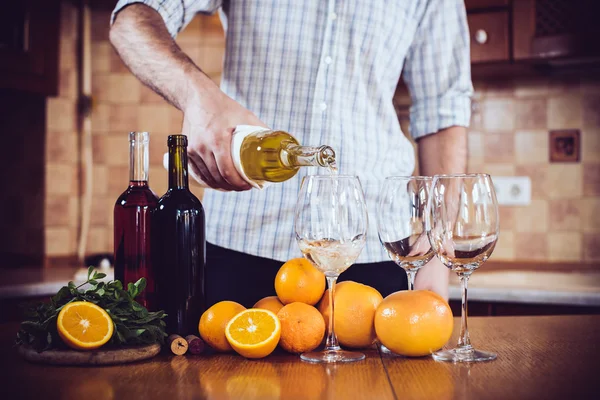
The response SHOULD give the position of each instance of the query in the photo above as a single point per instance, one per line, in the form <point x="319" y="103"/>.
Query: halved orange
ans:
<point x="84" y="326"/>
<point x="254" y="333"/>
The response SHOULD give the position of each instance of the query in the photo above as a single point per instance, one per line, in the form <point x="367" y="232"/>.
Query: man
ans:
<point x="326" y="72"/>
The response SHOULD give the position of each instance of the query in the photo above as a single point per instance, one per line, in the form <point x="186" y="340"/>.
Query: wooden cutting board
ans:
<point x="94" y="357"/>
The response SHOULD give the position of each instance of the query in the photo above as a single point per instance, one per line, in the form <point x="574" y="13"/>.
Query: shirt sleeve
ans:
<point x="176" y="13"/>
<point x="437" y="69"/>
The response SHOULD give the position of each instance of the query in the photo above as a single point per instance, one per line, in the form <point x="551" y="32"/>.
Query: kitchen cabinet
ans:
<point x="29" y="40"/>
<point x="489" y="37"/>
<point x="484" y="4"/>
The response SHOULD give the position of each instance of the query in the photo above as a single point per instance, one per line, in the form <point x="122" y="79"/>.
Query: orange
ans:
<point x="302" y="327"/>
<point x="299" y="280"/>
<point x="270" y="303"/>
<point x="414" y="323"/>
<point x="214" y="321"/>
<point x="355" y="306"/>
<point x="254" y="333"/>
<point x="84" y="326"/>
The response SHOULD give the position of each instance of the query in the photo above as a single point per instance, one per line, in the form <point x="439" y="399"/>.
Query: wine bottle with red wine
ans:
<point x="132" y="222"/>
<point x="179" y="246"/>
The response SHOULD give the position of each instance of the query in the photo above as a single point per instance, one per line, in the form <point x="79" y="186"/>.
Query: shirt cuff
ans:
<point x="172" y="12"/>
<point x="433" y="114"/>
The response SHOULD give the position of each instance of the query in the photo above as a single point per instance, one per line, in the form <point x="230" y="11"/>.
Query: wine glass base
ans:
<point x="463" y="355"/>
<point x="332" y="356"/>
<point x="387" y="352"/>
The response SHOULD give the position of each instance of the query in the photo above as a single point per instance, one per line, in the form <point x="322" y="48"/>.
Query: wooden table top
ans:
<point x="555" y="357"/>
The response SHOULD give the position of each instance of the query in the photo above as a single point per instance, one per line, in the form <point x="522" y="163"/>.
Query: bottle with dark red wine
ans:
<point x="179" y="246"/>
<point x="132" y="222"/>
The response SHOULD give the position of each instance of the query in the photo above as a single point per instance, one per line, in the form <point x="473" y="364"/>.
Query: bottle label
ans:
<point x="239" y="134"/>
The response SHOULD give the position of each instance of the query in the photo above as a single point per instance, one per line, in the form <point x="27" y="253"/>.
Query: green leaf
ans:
<point x="99" y="275"/>
<point x="140" y="285"/>
<point x="93" y="282"/>
<point x="132" y="290"/>
<point x="90" y="271"/>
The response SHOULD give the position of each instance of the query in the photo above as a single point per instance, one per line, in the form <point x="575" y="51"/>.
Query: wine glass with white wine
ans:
<point x="463" y="231"/>
<point x="331" y="228"/>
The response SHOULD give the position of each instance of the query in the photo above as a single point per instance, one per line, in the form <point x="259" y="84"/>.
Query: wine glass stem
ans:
<point x="331" y="344"/>
<point x="464" y="341"/>
<point x="411" y="279"/>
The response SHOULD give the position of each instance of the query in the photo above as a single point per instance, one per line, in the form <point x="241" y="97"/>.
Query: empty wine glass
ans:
<point x="463" y="231"/>
<point x="331" y="228"/>
<point x="401" y="222"/>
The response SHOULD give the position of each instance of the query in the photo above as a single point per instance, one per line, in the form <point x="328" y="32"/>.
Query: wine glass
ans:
<point x="401" y="222"/>
<point x="463" y="231"/>
<point x="331" y="228"/>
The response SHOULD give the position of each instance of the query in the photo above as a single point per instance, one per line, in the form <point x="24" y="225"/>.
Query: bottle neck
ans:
<point x="178" y="166"/>
<point x="138" y="157"/>
<point x="293" y="155"/>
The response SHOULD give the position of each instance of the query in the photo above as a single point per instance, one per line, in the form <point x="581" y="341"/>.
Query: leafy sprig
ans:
<point x="133" y="323"/>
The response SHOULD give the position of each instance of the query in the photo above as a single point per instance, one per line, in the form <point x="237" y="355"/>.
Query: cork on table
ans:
<point x="554" y="357"/>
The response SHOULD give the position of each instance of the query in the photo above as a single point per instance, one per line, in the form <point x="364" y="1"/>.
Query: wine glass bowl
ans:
<point x="331" y="226"/>
<point x="401" y="222"/>
<point x="463" y="230"/>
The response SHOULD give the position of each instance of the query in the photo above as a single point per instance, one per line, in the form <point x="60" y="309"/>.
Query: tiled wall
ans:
<point x="121" y="104"/>
<point x="509" y="136"/>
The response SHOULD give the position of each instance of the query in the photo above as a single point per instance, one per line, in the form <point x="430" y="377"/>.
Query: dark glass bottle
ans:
<point x="179" y="246"/>
<point x="132" y="222"/>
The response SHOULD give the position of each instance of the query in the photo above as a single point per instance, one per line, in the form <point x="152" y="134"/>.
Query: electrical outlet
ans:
<point x="512" y="190"/>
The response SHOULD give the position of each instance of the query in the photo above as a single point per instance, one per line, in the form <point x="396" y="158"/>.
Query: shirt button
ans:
<point x="332" y="16"/>
<point x="328" y="60"/>
<point x="323" y="106"/>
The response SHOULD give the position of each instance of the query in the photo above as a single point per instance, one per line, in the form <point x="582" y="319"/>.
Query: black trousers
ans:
<point x="231" y="275"/>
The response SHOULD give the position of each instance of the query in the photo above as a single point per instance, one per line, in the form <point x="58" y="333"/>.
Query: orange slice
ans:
<point x="84" y="326"/>
<point x="254" y="333"/>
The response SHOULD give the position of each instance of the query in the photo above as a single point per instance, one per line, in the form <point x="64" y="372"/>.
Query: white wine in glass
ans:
<point x="463" y="233"/>
<point x="331" y="228"/>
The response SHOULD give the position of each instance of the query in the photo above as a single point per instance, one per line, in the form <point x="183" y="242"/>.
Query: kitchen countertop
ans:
<point x="580" y="288"/>
<point x="538" y="358"/>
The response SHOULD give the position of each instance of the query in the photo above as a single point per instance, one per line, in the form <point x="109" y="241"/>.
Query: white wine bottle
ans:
<point x="264" y="156"/>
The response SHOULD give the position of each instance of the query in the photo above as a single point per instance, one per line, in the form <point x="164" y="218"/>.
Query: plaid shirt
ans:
<point x="326" y="71"/>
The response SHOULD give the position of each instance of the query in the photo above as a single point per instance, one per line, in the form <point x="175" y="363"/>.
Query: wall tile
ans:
<point x="100" y="25"/>
<point x="159" y="179"/>
<point x="565" y="215"/>
<point x="212" y="30"/>
<point x="591" y="179"/>
<point x="124" y="118"/>
<point x="532" y="218"/>
<point x="531" y="246"/>
<point x="591" y="247"/>
<point x="590" y="145"/>
<point x="565" y="246"/>
<point x="101" y="118"/>
<point x="98" y="217"/>
<point x="154" y="118"/>
<point x="124" y="88"/>
<point x="507" y="217"/>
<point x="116" y="64"/>
<point x="99" y="149"/>
<point x="175" y="120"/>
<point x="591" y="110"/>
<point x="61" y="147"/>
<point x="96" y="242"/>
<point x="476" y="147"/>
<point x="531" y="113"/>
<point x="60" y="114"/>
<point x="538" y="173"/>
<point x="101" y="57"/>
<point x="118" y="179"/>
<point x="498" y="169"/>
<point x="498" y="114"/>
<point x="100" y="176"/>
<point x="590" y="214"/>
<point x="211" y="59"/>
<point x="60" y="179"/>
<point x="531" y="147"/>
<point x="61" y="211"/>
<point x="118" y="149"/>
<point x="564" y="112"/>
<point x="148" y="96"/>
<point x="499" y="147"/>
<point x="67" y="84"/>
<point x="66" y="53"/>
<point x="60" y="241"/>
<point x="564" y="181"/>
<point x="505" y="248"/>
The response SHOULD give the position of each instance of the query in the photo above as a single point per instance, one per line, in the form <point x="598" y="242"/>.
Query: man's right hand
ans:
<point x="210" y="117"/>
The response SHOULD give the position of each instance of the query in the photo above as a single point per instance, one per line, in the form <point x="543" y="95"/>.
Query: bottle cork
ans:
<point x="195" y="344"/>
<point x="177" y="344"/>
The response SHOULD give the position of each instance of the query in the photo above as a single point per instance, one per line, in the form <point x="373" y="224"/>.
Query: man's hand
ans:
<point x="141" y="38"/>
<point x="209" y="125"/>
